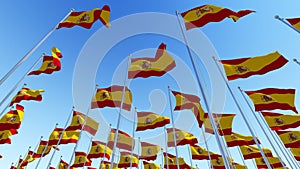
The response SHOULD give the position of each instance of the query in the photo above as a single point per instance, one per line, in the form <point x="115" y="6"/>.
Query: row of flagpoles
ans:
<point x="193" y="18"/>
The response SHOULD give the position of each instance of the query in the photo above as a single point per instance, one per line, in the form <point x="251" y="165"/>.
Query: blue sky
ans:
<point x="25" y="23"/>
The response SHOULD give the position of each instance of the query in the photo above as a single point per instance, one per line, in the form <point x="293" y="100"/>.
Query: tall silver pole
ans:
<point x="25" y="157"/>
<point x="166" y="141"/>
<point x="210" y="115"/>
<point x="35" y="149"/>
<point x="244" y="117"/>
<point x="106" y="146"/>
<point x="242" y="157"/>
<point x="139" y="143"/>
<point x="289" y="25"/>
<point x="206" y="146"/>
<point x="263" y="129"/>
<point x="11" y="71"/>
<point x="91" y="140"/>
<point x="133" y="129"/>
<point x="190" y="154"/>
<point x="119" y="115"/>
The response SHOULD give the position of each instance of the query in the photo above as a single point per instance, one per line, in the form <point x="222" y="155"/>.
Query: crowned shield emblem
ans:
<point x="241" y="69"/>
<point x="219" y="162"/>
<point x="79" y="159"/>
<point x="292" y="137"/>
<point x="1" y="135"/>
<point x="200" y="151"/>
<point x="149" y="151"/>
<point x="97" y="150"/>
<point x="50" y="65"/>
<point x="11" y="119"/>
<point x="146" y="65"/>
<point x="105" y="95"/>
<point x="84" y="18"/>
<point x="204" y="10"/>
<point x="127" y="159"/>
<point x="278" y="121"/>
<point x="266" y="98"/>
<point x="249" y="150"/>
<point x="148" y="121"/>
<point x="177" y="135"/>
<point x="233" y="137"/>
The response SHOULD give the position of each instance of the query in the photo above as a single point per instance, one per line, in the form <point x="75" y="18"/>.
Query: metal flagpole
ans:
<point x="32" y="50"/>
<point x="119" y="115"/>
<point x="139" y="143"/>
<point x="244" y="116"/>
<point x="88" y="149"/>
<point x="296" y="61"/>
<point x="106" y="145"/>
<point x="84" y="121"/>
<point x="44" y="150"/>
<point x="25" y="157"/>
<point x="206" y="145"/>
<point x="242" y="157"/>
<point x="279" y="144"/>
<point x="166" y="142"/>
<point x="35" y="149"/>
<point x="190" y="154"/>
<point x="62" y="133"/>
<point x="282" y="20"/>
<point x="263" y="129"/>
<point x="210" y="115"/>
<point x="133" y="142"/>
<point x="254" y="163"/>
<point x="173" y="126"/>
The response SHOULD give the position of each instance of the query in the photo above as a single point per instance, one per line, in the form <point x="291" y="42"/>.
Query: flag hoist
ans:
<point x="243" y="116"/>
<point x="210" y="115"/>
<point x="293" y="23"/>
<point x="265" y="132"/>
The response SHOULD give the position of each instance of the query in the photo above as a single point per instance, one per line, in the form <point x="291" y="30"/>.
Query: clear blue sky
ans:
<point x="25" y="23"/>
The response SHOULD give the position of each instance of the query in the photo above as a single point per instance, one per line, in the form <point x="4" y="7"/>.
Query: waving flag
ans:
<point x="124" y="161"/>
<point x="81" y="160"/>
<point x="97" y="150"/>
<point x="12" y="119"/>
<point x="146" y="67"/>
<point x="219" y="163"/>
<point x="87" y="18"/>
<point x="189" y="102"/>
<point x="250" y="152"/>
<point x="67" y="136"/>
<point x="277" y="121"/>
<point x="199" y="153"/>
<point x="222" y="121"/>
<point x="149" y="151"/>
<point x="124" y="140"/>
<point x="6" y="134"/>
<point x="200" y="16"/>
<point x="273" y="98"/>
<point x="182" y="137"/>
<point x="258" y="65"/>
<point x="106" y="165"/>
<point x="63" y="165"/>
<point x="296" y="153"/>
<point x="236" y="139"/>
<point x="295" y="22"/>
<point x="112" y="97"/>
<point x="291" y="139"/>
<point x="90" y="125"/>
<point x="274" y="162"/>
<point x="28" y="159"/>
<point x="27" y="94"/>
<point x="149" y="120"/>
<point x="43" y="149"/>
<point x="172" y="164"/>
<point x="148" y="165"/>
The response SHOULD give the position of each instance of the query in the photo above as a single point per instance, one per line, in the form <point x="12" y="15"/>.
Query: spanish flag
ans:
<point x="81" y="160"/>
<point x="277" y="121"/>
<point x="97" y="150"/>
<point x="291" y="139"/>
<point x="182" y="138"/>
<point x="274" y="162"/>
<point x="149" y="151"/>
<point x="250" y="152"/>
<point x="28" y="159"/>
<point x="148" y="165"/>
<point x="112" y="97"/>
<point x="200" y="153"/>
<point x="189" y="102"/>
<point x="273" y="98"/>
<point x="106" y="165"/>
<point x="6" y="134"/>
<point x="124" y="140"/>
<point x="222" y="121"/>
<point x="63" y="165"/>
<point x="67" y="136"/>
<point x="12" y="119"/>
<point x="295" y="22"/>
<point x="258" y="65"/>
<point x="239" y="166"/>
<point x="27" y="94"/>
<point x="172" y="164"/>
<point x="146" y="67"/>
<point x="149" y="120"/>
<point x="219" y="163"/>
<point x="42" y="149"/>
<point x="125" y="160"/>
<point x="236" y="139"/>
<point x="296" y="153"/>
<point x="79" y="119"/>
<point x="87" y="18"/>
<point x="200" y="16"/>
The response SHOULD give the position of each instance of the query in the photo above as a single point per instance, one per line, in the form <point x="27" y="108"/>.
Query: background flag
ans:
<point x="182" y="137"/>
<point x="277" y="121"/>
<point x="199" y="153"/>
<point x="149" y="120"/>
<point x="274" y="162"/>
<point x="236" y="139"/>
<point x="112" y="97"/>
<point x="222" y="121"/>
<point x="200" y="16"/>
<point x="273" y="98"/>
<point x="146" y="67"/>
<point x="27" y="94"/>
<point x="90" y="125"/>
<point x="124" y="140"/>
<point x="87" y="18"/>
<point x="106" y="165"/>
<point x="291" y="139"/>
<point x="250" y="152"/>
<point x="12" y="119"/>
<point x="81" y="160"/>
<point x="124" y="161"/>
<point x="67" y="136"/>
<point x="97" y="150"/>
<point x="149" y="151"/>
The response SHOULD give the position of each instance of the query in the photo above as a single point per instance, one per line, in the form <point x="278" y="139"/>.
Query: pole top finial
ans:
<point x="72" y="9"/>
<point x="41" y="137"/>
<point x="56" y="124"/>
<point x="110" y="125"/>
<point x="277" y="17"/>
<point x="295" y="60"/>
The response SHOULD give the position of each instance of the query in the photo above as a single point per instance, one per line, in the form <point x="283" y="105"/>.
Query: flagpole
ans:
<point x="166" y="142"/>
<point x="18" y="160"/>
<point x="210" y="115"/>
<point x="80" y="133"/>
<point x="254" y="163"/>
<point x="206" y="145"/>
<point x="279" y="144"/>
<point x="88" y="150"/>
<point x="35" y="149"/>
<point x="132" y="146"/>
<point x="263" y="129"/>
<point x="242" y="157"/>
<point x="62" y="133"/>
<point x="17" y="84"/>
<point x="190" y="154"/>
<point x="25" y="157"/>
<point x="244" y="116"/>
<point x="44" y="150"/>
<point x="119" y="115"/>
<point x="173" y="126"/>
<point x="11" y="71"/>
<point x="289" y="25"/>
<point x="59" y="162"/>
<point x="106" y="145"/>
<point x="139" y="143"/>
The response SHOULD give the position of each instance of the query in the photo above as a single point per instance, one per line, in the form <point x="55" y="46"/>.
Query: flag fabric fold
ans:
<point x="27" y="94"/>
<point x="236" y="139"/>
<point x="182" y="137"/>
<point x="149" y="120"/>
<point x="78" y="120"/>
<point x="277" y="121"/>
